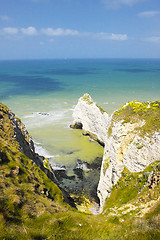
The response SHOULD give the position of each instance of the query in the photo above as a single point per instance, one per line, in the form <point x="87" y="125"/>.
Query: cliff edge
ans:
<point x="33" y="207"/>
<point x="15" y="139"/>
<point x="131" y="138"/>
<point x="14" y="133"/>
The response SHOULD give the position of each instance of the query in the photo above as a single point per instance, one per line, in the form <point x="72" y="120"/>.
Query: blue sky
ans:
<point x="35" y="29"/>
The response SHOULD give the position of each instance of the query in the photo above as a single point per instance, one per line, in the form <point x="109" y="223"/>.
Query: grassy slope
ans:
<point x="135" y="111"/>
<point x="32" y="207"/>
<point x="135" y="202"/>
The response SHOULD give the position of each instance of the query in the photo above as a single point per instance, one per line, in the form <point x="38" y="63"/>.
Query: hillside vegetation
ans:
<point x="33" y="207"/>
<point x="135" y="111"/>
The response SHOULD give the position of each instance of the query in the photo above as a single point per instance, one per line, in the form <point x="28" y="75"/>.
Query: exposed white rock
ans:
<point x="123" y="146"/>
<point x="92" y="118"/>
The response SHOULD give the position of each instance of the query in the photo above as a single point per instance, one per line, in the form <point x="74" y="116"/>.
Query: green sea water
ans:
<point x="43" y="93"/>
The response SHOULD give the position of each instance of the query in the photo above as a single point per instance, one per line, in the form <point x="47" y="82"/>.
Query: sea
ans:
<point x="43" y="93"/>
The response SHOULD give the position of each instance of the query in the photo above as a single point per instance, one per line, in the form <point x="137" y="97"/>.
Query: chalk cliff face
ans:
<point x="130" y="135"/>
<point x="91" y="118"/>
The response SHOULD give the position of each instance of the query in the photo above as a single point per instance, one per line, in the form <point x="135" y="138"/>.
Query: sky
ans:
<point x="55" y="29"/>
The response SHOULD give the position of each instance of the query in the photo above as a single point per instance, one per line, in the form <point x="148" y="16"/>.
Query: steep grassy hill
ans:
<point x="33" y="207"/>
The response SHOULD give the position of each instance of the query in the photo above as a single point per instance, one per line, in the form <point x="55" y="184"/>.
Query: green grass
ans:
<point x="101" y="109"/>
<point x="32" y="206"/>
<point x="86" y="97"/>
<point x="105" y="164"/>
<point x="130" y="185"/>
<point x="110" y="129"/>
<point x="149" y="112"/>
<point x="27" y="213"/>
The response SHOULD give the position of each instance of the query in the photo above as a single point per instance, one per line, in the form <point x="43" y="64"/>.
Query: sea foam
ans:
<point x="40" y="119"/>
<point x="42" y="151"/>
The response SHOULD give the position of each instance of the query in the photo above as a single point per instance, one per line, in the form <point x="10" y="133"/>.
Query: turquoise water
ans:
<point x="43" y="94"/>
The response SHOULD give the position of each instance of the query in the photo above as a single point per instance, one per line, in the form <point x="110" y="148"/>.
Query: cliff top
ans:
<point x="134" y="111"/>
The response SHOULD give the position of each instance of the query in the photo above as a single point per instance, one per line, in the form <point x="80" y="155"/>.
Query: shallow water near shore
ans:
<point x="43" y="93"/>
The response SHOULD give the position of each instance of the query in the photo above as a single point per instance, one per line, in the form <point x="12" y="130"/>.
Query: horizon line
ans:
<point x="88" y="58"/>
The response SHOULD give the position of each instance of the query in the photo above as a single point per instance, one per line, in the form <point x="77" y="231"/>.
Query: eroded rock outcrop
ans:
<point x="93" y="120"/>
<point x="130" y="135"/>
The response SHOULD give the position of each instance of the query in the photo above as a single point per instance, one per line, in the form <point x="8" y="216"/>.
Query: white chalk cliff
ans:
<point x="92" y="118"/>
<point x="130" y="135"/>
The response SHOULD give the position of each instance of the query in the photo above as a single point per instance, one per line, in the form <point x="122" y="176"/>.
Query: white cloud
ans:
<point x="149" y="13"/>
<point x="29" y="31"/>
<point x="69" y="32"/>
<point x="117" y="3"/>
<point x="9" y="31"/>
<point x="111" y="36"/>
<point x="59" y="32"/>
<point x="153" y="39"/>
<point x="4" y="18"/>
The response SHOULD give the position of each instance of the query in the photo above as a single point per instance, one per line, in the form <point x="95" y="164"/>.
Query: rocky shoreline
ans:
<point x="130" y="136"/>
<point x="128" y="139"/>
<point x="33" y="207"/>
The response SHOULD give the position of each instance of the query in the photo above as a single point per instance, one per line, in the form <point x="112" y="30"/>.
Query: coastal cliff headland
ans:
<point x="32" y="206"/>
<point x="131" y="138"/>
